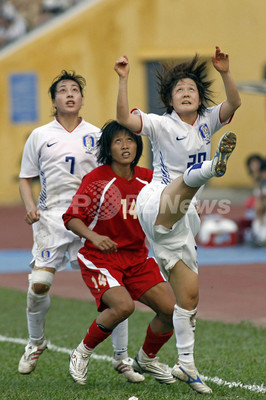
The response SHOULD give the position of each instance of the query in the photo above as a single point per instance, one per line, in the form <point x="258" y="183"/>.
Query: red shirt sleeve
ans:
<point x="81" y="205"/>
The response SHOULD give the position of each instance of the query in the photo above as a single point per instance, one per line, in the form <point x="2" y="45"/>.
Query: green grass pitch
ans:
<point x="231" y="357"/>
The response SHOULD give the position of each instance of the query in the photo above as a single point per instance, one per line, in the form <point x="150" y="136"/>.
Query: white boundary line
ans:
<point x="51" y="347"/>
<point x="218" y="381"/>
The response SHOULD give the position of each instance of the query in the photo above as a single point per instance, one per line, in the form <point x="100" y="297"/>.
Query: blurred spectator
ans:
<point x="27" y="15"/>
<point x="253" y="165"/>
<point x="58" y="6"/>
<point x="52" y="8"/>
<point x="245" y="224"/>
<point x="12" y="24"/>
<point x="258" y="226"/>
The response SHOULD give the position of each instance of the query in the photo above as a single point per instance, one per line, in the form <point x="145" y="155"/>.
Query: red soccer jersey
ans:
<point x="106" y="203"/>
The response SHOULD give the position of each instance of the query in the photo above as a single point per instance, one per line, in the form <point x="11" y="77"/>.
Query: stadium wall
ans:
<point x="90" y="37"/>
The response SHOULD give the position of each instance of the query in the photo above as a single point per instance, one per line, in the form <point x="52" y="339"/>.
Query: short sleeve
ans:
<point x="30" y="157"/>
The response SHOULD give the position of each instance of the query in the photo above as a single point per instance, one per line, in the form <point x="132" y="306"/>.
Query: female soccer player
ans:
<point x="114" y="261"/>
<point x="181" y="145"/>
<point x="61" y="153"/>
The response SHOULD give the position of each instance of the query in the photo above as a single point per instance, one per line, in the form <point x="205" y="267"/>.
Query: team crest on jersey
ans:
<point x="205" y="133"/>
<point x="88" y="143"/>
<point x="45" y="255"/>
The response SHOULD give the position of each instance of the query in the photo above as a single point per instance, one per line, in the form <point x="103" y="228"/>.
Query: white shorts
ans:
<point x="52" y="241"/>
<point x="168" y="245"/>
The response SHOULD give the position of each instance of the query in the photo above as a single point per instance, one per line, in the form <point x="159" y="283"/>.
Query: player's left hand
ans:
<point x="220" y="60"/>
<point x="104" y="243"/>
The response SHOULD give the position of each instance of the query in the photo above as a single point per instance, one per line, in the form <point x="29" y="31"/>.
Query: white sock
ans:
<point x="37" y="308"/>
<point x="82" y="348"/>
<point x="184" y="324"/>
<point x="198" y="174"/>
<point x="120" y="340"/>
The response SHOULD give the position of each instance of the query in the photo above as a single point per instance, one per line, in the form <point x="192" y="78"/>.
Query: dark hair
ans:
<point x="109" y="130"/>
<point x="251" y="158"/>
<point x="64" y="76"/>
<point x="171" y="74"/>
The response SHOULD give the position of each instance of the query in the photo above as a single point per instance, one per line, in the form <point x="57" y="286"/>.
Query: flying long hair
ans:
<point x="171" y="74"/>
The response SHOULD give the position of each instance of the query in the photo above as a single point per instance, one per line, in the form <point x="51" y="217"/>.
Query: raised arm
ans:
<point x="123" y="116"/>
<point x="25" y="188"/>
<point x="230" y="105"/>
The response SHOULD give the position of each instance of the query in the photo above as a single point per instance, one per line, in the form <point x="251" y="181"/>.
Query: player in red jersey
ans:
<point x="61" y="153"/>
<point x="114" y="261"/>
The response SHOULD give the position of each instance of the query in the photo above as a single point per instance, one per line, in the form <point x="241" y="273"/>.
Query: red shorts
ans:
<point x="103" y="271"/>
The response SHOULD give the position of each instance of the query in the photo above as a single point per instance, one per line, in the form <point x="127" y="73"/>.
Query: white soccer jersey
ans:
<point x="61" y="159"/>
<point x="177" y="145"/>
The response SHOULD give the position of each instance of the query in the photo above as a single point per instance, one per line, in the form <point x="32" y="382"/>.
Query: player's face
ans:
<point x="123" y="149"/>
<point x="68" y="99"/>
<point x="185" y="98"/>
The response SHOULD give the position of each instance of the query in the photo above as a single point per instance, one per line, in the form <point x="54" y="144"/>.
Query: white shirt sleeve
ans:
<point x="213" y="115"/>
<point x="150" y="123"/>
<point x="30" y="158"/>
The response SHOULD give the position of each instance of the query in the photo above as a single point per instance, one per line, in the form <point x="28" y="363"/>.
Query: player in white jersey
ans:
<point x="61" y="153"/>
<point x="166" y="209"/>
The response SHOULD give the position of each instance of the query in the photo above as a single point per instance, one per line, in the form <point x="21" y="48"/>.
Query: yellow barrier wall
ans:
<point x="90" y="37"/>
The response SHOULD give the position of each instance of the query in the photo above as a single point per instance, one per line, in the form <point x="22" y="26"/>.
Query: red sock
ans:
<point x="94" y="336"/>
<point x="153" y="342"/>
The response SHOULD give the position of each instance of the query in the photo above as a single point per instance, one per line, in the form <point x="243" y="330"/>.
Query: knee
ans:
<point x="189" y="301"/>
<point x="38" y="298"/>
<point x="41" y="281"/>
<point x="40" y="288"/>
<point x="124" y="310"/>
<point x="167" y="317"/>
<point x="193" y="301"/>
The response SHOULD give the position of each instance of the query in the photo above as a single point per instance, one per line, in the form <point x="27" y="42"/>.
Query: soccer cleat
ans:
<point x="161" y="372"/>
<point x="125" y="368"/>
<point x="29" y="360"/>
<point x="191" y="377"/>
<point x="224" y="149"/>
<point x="78" y="365"/>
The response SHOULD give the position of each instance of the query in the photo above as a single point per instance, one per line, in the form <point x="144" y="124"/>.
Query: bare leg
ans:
<point x="120" y="306"/>
<point x="161" y="299"/>
<point x="184" y="283"/>
<point x="174" y="203"/>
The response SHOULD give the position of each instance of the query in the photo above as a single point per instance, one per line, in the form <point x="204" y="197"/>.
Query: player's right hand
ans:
<point x="32" y="216"/>
<point x="122" y="66"/>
